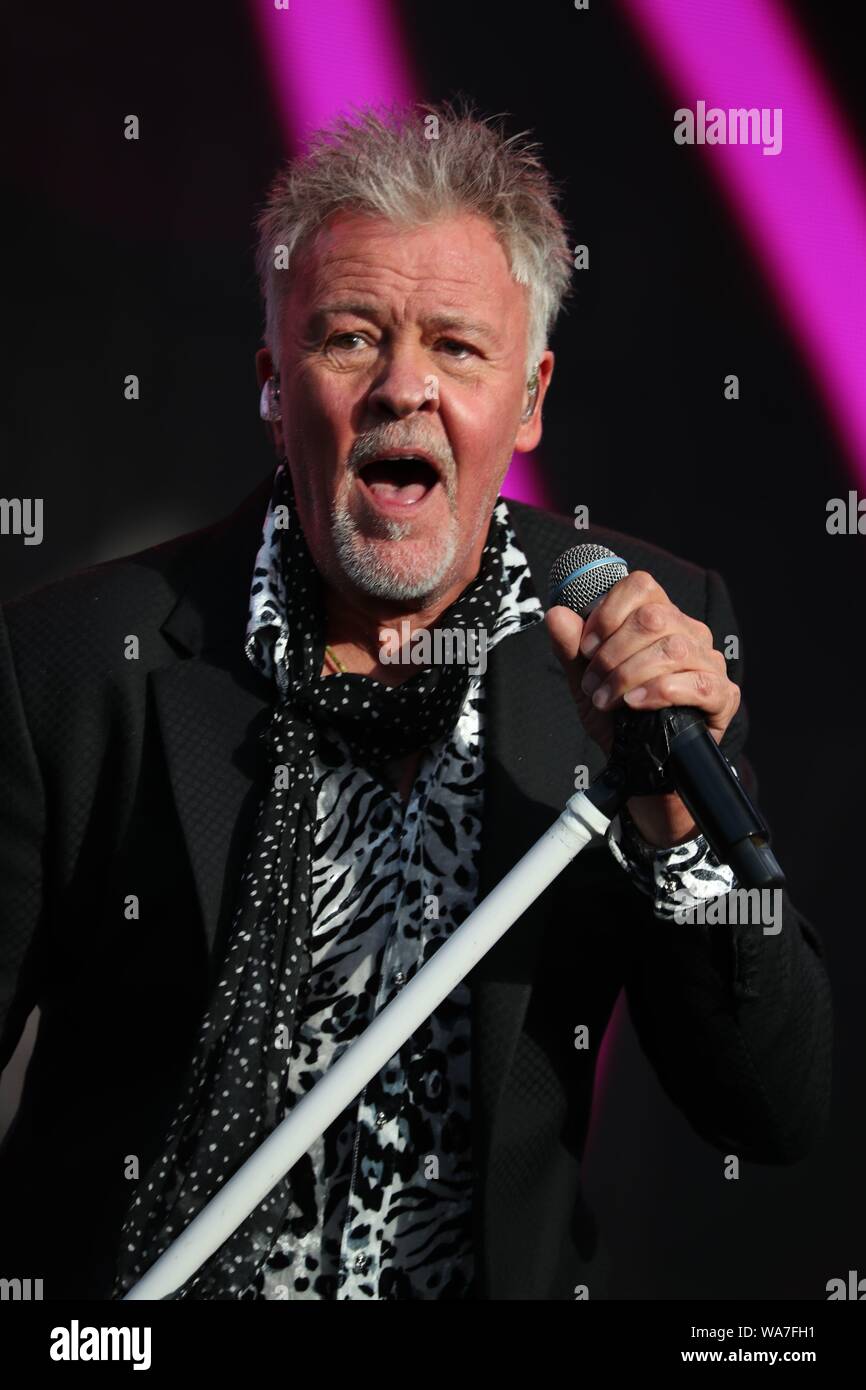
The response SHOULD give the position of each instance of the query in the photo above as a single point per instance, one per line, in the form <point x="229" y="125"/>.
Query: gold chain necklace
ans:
<point x="335" y="661"/>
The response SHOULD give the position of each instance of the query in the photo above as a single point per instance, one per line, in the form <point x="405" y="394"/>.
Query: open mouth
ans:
<point x="400" y="481"/>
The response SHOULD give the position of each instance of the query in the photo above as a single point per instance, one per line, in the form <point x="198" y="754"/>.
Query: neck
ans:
<point x="354" y="623"/>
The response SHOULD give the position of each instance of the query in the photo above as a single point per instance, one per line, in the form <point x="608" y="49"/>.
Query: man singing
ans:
<point x="238" y="817"/>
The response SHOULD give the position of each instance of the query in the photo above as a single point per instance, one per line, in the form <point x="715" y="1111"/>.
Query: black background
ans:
<point x="137" y="257"/>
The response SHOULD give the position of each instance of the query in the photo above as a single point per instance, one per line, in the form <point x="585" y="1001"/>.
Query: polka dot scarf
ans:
<point x="236" y="1093"/>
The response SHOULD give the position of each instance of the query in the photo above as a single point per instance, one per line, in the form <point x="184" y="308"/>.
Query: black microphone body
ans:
<point x="671" y="749"/>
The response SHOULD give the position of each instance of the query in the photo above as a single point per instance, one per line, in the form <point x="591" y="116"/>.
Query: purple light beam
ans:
<point x="802" y="210"/>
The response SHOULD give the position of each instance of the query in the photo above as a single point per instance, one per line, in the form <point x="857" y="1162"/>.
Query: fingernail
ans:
<point x="601" y="697"/>
<point x="590" y="683"/>
<point x="636" y="696"/>
<point x="590" y="644"/>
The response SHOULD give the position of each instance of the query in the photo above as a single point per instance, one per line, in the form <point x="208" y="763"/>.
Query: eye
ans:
<point x="338" y="340"/>
<point x="461" y="347"/>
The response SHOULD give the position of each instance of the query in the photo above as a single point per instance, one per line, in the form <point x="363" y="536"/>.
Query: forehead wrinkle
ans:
<point x="367" y="282"/>
<point x="459" y="262"/>
<point x="369" y="303"/>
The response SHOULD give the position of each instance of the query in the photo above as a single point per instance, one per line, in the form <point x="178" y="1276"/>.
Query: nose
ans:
<point x="405" y="384"/>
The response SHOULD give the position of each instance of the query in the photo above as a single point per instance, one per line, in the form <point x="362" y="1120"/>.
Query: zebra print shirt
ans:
<point x="382" y="1201"/>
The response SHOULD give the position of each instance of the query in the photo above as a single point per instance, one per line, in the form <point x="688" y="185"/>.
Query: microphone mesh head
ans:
<point x="583" y="575"/>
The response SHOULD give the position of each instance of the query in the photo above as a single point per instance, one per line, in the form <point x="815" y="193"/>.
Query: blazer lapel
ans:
<point x="209" y="723"/>
<point x="533" y="743"/>
<point x="211" y="706"/>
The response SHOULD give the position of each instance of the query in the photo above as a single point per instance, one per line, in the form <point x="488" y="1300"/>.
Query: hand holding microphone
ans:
<point x="632" y="659"/>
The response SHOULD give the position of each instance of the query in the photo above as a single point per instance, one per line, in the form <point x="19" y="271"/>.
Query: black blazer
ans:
<point x="139" y="777"/>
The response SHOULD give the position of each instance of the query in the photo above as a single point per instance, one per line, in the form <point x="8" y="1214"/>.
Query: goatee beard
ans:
<point x="362" y="559"/>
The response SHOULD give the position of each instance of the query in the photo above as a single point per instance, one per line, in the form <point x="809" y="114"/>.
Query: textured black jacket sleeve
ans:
<point x="22" y="834"/>
<point x="737" y="1022"/>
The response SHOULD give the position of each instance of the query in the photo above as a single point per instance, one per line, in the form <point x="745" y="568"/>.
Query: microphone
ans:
<point x="669" y="749"/>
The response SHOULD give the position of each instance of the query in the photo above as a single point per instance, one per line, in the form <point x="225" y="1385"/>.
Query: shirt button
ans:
<point x="399" y="978"/>
<point x="381" y="1119"/>
<point x="361" y="1263"/>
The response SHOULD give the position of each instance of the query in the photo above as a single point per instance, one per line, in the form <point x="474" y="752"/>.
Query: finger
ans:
<point x="565" y="628"/>
<point x="670" y="654"/>
<point x="713" y="693"/>
<point x="647" y="627"/>
<point x="702" y="634"/>
<point x="627" y="594"/>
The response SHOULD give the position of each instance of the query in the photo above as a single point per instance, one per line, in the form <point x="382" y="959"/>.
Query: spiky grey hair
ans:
<point x="413" y="165"/>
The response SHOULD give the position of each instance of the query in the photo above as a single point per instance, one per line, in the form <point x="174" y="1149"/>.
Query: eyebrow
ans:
<point x="475" y="328"/>
<point x="345" y="306"/>
<point x="441" y="323"/>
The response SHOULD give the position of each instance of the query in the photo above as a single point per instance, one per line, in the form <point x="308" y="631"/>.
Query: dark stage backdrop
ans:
<point x="137" y="257"/>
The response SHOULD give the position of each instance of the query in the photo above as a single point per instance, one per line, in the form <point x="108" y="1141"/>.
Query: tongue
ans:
<point x="405" y="481"/>
<point x="393" y="492"/>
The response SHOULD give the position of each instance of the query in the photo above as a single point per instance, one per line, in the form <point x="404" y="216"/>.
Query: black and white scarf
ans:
<point x="236" y="1093"/>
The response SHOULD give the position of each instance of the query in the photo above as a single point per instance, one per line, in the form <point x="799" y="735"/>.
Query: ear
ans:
<point x="265" y="370"/>
<point x="264" y="366"/>
<point x="529" y="433"/>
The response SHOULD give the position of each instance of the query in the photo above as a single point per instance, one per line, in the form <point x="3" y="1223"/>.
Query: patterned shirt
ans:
<point x="382" y="1201"/>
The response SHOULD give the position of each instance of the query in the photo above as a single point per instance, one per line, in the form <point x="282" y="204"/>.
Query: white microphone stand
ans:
<point x="575" y="828"/>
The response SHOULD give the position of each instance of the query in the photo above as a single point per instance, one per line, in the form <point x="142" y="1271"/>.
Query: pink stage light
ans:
<point x="525" y="482"/>
<point x="326" y="57"/>
<point x="803" y="210"/>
